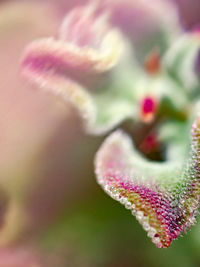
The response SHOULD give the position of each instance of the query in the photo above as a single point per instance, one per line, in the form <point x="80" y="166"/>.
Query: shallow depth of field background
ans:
<point x="51" y="206"/>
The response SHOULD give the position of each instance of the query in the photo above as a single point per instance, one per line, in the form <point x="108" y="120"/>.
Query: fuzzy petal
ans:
<point x="83" y="70"/>
<point x="164" y="197"/>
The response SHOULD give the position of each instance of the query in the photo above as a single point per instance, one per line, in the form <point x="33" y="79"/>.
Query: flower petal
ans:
<point x="47" y="63"/>
<point x="164" y="197"/>
<point x="78" y="67"/>
<point x="86" y="40"/>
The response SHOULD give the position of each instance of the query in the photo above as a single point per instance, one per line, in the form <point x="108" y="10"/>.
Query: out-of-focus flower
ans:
<point x="77" y="60"/>
<point x="126" y="60"/>
<point x="93" y="67"/>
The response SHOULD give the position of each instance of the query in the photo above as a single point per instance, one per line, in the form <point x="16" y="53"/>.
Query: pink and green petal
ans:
<point x="102" y="103"/>
<point x="91" y="66"/>
<point x="95" y="48"/>
<point x="92" y="77"/>
<point x="164" y="197"/>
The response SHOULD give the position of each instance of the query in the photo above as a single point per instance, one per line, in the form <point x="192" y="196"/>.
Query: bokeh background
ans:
<point x="52" y="211"/>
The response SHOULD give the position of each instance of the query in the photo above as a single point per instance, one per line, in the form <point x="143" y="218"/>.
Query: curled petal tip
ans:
<point x="164" y="197"/>
<point x="84" y="26"/>
<point x="70" y="65"/>
<point x="121" y="182"/>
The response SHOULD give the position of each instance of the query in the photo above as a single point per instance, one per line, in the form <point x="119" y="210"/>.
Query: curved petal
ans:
<point x="85" y="41"/>
<point x="164" y="197"/>
<point x="53" y="74"/>
<point x="78" y="67"/>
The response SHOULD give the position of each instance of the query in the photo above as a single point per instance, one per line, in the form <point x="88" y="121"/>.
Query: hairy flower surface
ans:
<point x="119" y="61"/>
<point x="164" y="197"/>
<point x="93" y="67"/>
<point x="86" y="50"/>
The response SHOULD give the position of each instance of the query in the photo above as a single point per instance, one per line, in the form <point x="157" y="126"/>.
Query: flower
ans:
<point x="93" y="70"/>
<point x="114" y="67"/>
<point x="164" y="197"/>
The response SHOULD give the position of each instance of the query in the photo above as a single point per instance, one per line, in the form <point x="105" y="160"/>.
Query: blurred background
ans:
<point x="53" y="213"/>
